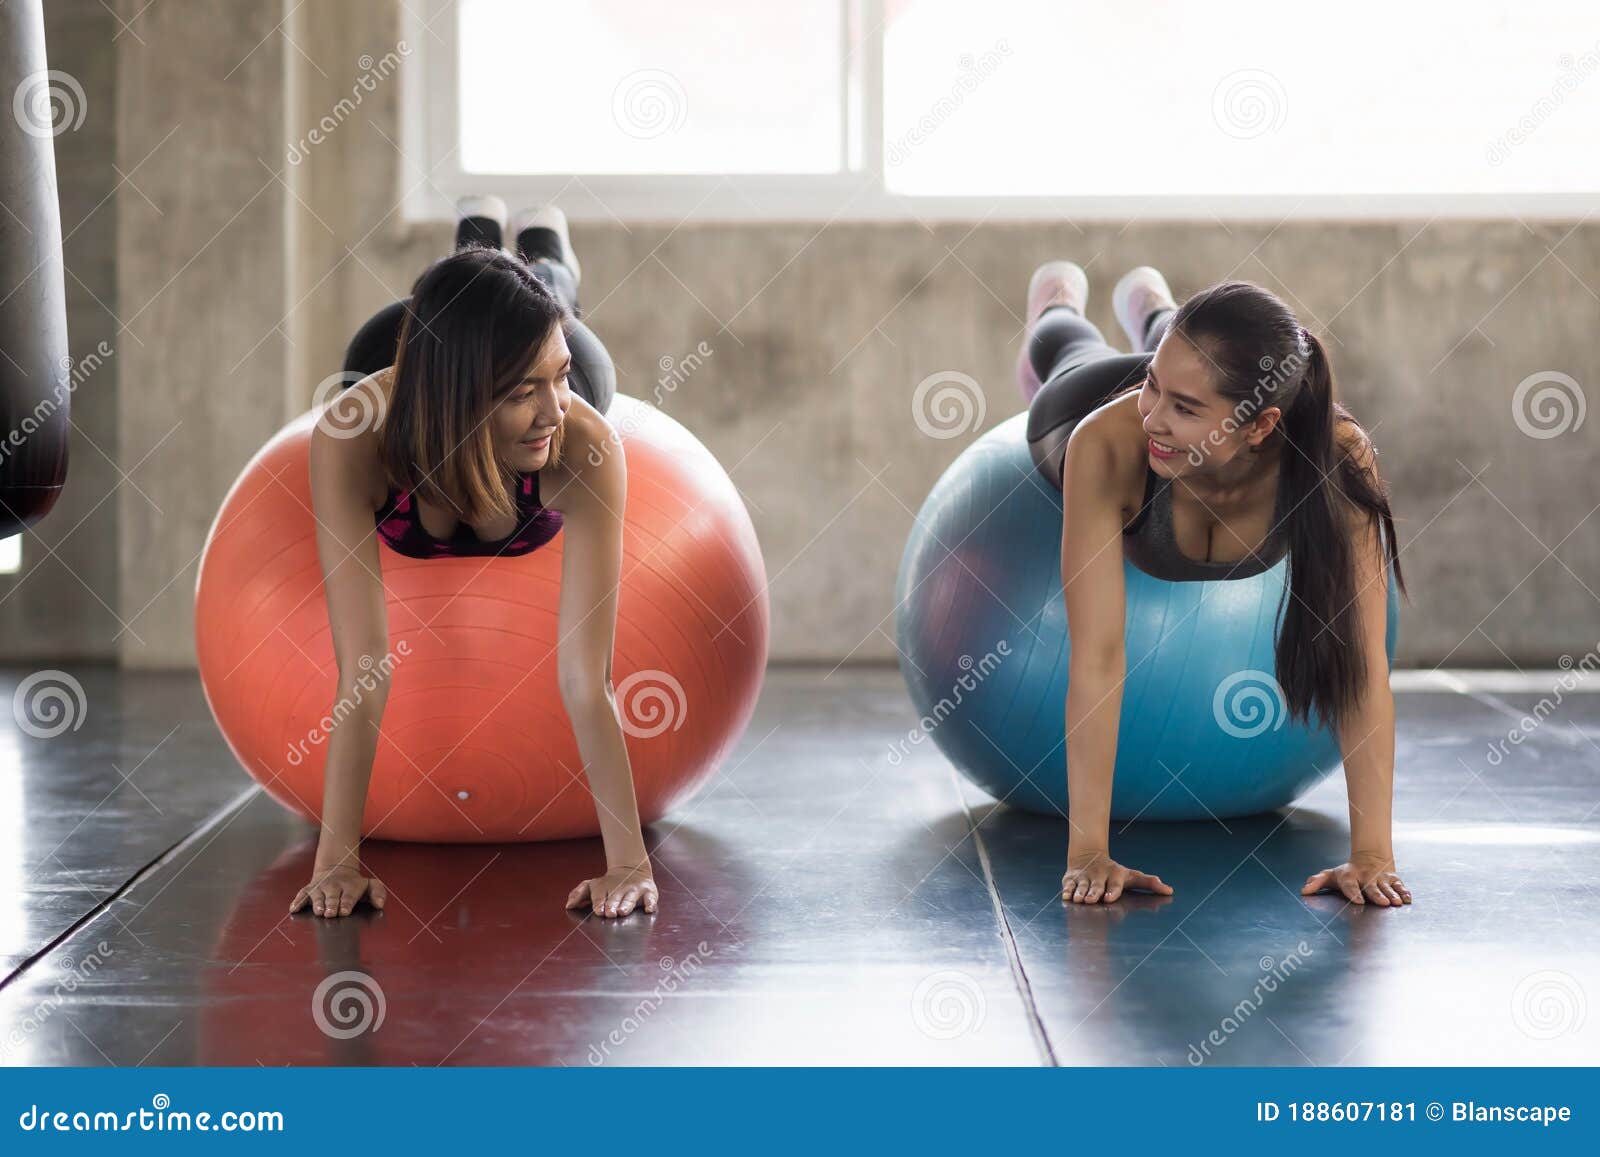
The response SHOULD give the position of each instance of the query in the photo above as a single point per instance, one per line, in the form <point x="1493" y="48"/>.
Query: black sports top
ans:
<point x="1150" y="544"/>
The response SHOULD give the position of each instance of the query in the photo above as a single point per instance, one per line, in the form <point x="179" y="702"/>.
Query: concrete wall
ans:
<point x="202" y="287"/>
<point x="245" y="277"/>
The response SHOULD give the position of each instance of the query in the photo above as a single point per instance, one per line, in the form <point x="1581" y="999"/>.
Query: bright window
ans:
<point x="1243" y="98"/>
<point x="883" y="108"/>
<point x="693" y="86"/>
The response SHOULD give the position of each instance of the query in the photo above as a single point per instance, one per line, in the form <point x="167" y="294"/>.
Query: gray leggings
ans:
<point x="594" y="377"/>
<point x="1080" y="371"/>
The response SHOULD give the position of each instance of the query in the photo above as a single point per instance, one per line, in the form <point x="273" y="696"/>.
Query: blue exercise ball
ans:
<point x="982" y="631"/>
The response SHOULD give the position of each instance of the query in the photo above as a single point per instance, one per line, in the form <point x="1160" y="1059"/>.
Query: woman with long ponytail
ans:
<point x="1212" y="451"/>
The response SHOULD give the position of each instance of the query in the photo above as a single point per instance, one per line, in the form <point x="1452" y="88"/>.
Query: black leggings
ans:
<point x="1079" y="371"/>
<point x="594" y="376"/>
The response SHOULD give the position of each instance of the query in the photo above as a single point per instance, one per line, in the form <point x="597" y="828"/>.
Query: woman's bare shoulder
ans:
<point x="588" y="437"/>
<point x="346" y="436"/>
<point x="1115" y="434"/>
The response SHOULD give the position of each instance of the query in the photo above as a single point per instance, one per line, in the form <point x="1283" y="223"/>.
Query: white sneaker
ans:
<point x="486" y="205"/>
<point x="549" y="217"/>
<point x="1141" y="292"/>
<point x="1057" y="283"/>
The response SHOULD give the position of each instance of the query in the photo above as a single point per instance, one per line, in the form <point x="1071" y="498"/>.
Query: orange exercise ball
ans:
<point x="475" y="744"/>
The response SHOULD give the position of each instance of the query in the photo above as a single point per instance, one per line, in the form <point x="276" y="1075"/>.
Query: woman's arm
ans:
<point x="1366" y="734"/>
<point x="1092" y="580"/>
<point x="592" y="501"/>
<point x="352" y="576"/>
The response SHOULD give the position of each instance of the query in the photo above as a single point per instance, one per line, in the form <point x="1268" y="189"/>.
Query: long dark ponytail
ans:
<point x="1261" y="356"/>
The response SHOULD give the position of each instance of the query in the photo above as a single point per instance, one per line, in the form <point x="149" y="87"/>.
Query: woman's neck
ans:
<point x="1239" y="482"/>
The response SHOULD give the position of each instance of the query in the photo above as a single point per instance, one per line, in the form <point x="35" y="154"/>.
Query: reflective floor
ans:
<point x="820" y="904"/>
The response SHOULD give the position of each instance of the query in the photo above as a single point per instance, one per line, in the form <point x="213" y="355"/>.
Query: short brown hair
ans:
<point x="474" y="324"/>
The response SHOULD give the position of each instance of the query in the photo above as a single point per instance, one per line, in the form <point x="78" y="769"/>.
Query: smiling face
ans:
<point x="527" y="417"/>
<point x="1182" y="410"/>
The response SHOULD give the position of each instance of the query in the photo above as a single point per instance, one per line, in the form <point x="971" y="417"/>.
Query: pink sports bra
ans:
<point x="399" y="526"/>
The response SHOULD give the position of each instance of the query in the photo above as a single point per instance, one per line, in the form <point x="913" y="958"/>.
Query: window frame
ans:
<point x="431" y="177"/>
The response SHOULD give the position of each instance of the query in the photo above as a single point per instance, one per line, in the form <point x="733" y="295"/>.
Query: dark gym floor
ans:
<point x="819" y="905"/>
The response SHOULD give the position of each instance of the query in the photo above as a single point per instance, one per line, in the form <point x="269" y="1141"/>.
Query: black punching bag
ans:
<point x="35" y="371"/>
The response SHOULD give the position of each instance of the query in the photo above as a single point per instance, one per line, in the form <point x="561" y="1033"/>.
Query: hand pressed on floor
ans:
<point x="617" y="892"/>
<point x="1097" y="878"/>
<point x="335" y="892"/>
<point x="1360" y="879"/>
